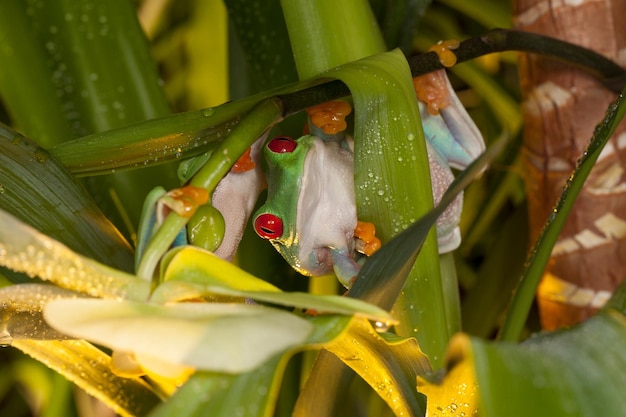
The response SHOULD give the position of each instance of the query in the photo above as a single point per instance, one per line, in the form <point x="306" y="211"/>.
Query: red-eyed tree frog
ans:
<point x="310" y="214"/>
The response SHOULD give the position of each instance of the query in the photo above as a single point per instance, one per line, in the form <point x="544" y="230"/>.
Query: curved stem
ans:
<point x="171" y="137"/>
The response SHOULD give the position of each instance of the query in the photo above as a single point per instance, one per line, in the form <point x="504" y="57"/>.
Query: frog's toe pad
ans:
<point x="330" y="116"/>
<point x="450" y="241"/>
<point x="367" y="243"/>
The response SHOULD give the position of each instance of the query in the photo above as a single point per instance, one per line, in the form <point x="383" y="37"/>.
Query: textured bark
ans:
<point x="562" y="106"/>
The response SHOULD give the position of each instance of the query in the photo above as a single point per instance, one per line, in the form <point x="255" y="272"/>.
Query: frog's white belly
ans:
<point x="326" y="210"/>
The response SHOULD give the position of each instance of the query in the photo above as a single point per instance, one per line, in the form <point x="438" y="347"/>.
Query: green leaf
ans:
<point x="151" y="142"/>
<point x="33" y="186"/>
<point x="220" y="337"/>
<point x="265" y="43"/>
<point x="192" y="272"/>
<point x="570" y="373"/>
<point x="23" y="249"/>
<point x="540" y="254"/>
<point x="251" y="394"/>
<point x="89" y="368"/>
<point x="91" y="71"/>
<point x="389" y="141"/>
<point x="325" y="34"/>
<point x="222" y="394"/>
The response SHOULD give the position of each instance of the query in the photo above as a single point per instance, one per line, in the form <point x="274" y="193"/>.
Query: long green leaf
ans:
<point x="570" y="373"/>
<point x="89" y="368"/>
<point x="23" y="249"/>
<point x="539" y="256"/>
<point x="91" y="61"/>
<point x="265" y="44"/>
<point x="34" y="185"/>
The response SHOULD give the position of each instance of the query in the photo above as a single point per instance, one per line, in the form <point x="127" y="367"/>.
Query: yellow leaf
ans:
<point x="457" y="394"/>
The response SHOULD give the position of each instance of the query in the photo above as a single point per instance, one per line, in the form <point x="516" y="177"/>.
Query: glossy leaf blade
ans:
<point x="265" y="44"/>
<point x="34" y="185"/>
<point x="316" y="47"/>
<point x="222" y="394"/>
<point x="89" y="368"/>
<point x="389" y="144"/>
<point x="192" y="272"/>
<point x="21" y="308"/>
<point x="23" y="249"/>
<point x="230" y="338"/>
<point x="251" y="394"/>
<point x="388" y="366"/>
<point x="539" y="256"/>
<point x="571" y="373"/>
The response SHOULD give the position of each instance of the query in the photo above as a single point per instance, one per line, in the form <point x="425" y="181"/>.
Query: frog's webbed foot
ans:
<point x="447" y="125"/>
<point x="344" y="266"/>
<point x="328" y="120"/>
<point x="366" y="241"/>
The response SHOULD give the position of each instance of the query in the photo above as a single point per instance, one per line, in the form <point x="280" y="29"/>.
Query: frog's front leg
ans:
<point x="447" y="126"/>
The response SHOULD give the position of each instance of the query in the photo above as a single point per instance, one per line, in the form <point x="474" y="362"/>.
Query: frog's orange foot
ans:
<point x="444" y="49"/>
<point x="432" y="89"/>
<point x="330" y="116"/>
<point x="184" y="201"/>
<point x="367" y="242"/>
<point x="244" y="163"/>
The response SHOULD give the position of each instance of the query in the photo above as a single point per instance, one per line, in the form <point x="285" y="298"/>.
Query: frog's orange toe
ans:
<point x="367" y="242"/>
<point x="443" y="49"/>
<point x="330" y="116"/>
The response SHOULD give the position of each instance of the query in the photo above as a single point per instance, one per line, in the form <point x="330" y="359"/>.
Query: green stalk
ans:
<point x="260" y="119"/>
<point x="327" y="33"/>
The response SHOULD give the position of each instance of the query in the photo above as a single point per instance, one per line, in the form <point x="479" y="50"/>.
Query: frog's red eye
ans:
<point x="268" y="226"/>
<point x="282" y="144"/>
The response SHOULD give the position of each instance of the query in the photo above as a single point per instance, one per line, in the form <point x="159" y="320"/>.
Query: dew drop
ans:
<point x="208" y="112"/>
<point x="382" y="326"/>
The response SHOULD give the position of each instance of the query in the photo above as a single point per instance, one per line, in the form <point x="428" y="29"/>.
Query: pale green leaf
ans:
<point x="211" y="336"/>
<point x="192" y="272"/>
<point x="23" y="249"/>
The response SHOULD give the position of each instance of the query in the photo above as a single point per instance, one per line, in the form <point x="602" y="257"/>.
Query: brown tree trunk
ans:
<point x="561" y="108"/>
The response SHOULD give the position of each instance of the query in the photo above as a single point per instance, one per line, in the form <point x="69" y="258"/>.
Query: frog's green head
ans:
<point x="310" y="213"/>
<point x="276" y="219"/>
